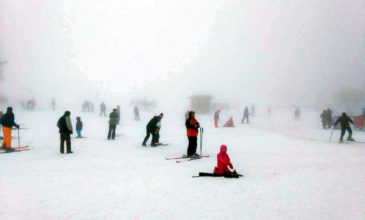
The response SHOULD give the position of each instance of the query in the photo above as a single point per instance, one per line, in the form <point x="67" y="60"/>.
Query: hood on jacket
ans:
<point x="223" y="147"/>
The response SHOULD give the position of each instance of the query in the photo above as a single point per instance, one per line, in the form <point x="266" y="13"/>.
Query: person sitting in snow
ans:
<point x="229" y="123"/>
<point x="224" y="163"/>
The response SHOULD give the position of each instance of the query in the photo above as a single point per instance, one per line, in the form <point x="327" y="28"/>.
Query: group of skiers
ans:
<point x="326" y="118"/>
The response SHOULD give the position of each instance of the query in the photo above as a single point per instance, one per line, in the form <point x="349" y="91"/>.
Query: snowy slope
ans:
<point x="287" y="175"/>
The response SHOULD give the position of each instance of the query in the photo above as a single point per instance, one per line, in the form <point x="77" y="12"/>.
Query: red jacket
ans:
<point x="223" y="162"/>
<point x="192" y="127"/>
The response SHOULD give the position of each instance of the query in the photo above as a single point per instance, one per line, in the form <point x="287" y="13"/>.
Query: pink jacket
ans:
<point x="223" y="162"/>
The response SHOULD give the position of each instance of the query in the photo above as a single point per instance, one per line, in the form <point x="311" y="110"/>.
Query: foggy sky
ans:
<point x="253" y="51"/>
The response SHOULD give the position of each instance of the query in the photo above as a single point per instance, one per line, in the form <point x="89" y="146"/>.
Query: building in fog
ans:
<point x="201" y="104"/>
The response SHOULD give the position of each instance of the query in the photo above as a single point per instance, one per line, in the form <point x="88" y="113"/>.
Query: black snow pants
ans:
<point x="111" y="132"/>
<point x="193" y="143"/>
<point x="65" y="137"/>
<point x="148" y="133"/>
<point x="343" y="131"/>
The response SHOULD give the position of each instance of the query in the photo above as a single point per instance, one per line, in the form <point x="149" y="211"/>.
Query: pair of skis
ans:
<point x="15" y="149"/>
<point x="185" y="158"/>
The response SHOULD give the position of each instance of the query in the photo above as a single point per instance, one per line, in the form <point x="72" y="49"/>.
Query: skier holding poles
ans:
<point x="345" y="121"/>
<point x="192" y="126"/>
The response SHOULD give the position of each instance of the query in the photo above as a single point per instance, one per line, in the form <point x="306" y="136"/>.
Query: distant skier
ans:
<point x="324" y="118"/>
<point x="79" y="126"/>
<point x="53" y="104"/>
<point x="329" y="119"/>
<point x="65" y="128"/>
<point x="229" y="123"/>
<point x="92" y="107"/>
<point x="118" y="112"/>
<point x="223" y="162"/>
<point x="7" y="122"/>
<point x="216" y="118"/>
<point x="245" y="116"/>
<point x="151" y="128"/>
<point x="297" y="113"/>
<point x="345" y="121"/>
<point x="113" y="121"/>
<point x="136" y="113"/>
<point x="103" y="109"/>
<point x="192" y="126"/>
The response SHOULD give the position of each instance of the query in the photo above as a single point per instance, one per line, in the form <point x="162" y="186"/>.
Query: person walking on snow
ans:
<point x="136" y="113"/>
<point x="65" y="129"/>
<point x="345" y="121"/>
<point x="103" y="109"/>
<point x="152" y="128"/>
<point x="7" y="122"/>
<point x="216" y="118"/>
<point x="245" y="116"/>
<point x="224" y="165"/>
<point x="113" y="121"/>
<point x="192" y="126"/>
<point x="79" y="126"/>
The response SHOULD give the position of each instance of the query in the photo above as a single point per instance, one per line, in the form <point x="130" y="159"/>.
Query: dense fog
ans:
<point x="295" y="53"/>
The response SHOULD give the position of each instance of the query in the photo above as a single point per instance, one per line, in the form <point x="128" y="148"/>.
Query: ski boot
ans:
<point x="350" y="139"/>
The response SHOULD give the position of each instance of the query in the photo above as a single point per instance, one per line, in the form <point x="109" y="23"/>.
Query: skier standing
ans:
<point x="245" y="116"/>
<point x="79" y="126"/>
<point x="324" y="118"/>
<point x="216" y="118"/>
<point x="345" y="121"/>
<point x="103" y="109"/>
<point x="7" y="122"/>
<point x="53" y="104"/>
<point x="192" y="126"/>
<point x="113" y="121"/>
<point x="329" y="118"/>
<point x="297" y="113"/>
<point x="136" y="113"/>
<point x="65" y="129"/>
<point x="151" y="128"/>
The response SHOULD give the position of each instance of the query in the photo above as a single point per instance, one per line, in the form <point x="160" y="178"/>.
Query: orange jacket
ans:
<point x="192" y="126"/>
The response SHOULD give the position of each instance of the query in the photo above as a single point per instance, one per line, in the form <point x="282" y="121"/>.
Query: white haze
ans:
<point x="264" y="52"/>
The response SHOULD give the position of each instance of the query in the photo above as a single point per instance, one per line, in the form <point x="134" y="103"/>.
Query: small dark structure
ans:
<point x="201" y="103"/>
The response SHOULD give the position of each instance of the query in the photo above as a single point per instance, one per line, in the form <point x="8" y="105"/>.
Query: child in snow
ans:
<point x="78" y="127"/>
<point x="229" y="123"/>
<point x="223" y="162"/>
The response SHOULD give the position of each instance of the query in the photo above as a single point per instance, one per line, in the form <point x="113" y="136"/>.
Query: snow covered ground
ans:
<point x="291" y="172"/>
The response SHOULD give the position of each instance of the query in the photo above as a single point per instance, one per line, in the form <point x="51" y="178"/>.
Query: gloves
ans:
<point x="17" y="126"/>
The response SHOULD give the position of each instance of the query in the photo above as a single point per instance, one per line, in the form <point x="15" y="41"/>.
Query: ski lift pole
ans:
<point x="18" y="140"/>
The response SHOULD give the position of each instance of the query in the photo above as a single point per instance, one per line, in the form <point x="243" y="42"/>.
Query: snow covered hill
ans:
<point x="291" y="172"/>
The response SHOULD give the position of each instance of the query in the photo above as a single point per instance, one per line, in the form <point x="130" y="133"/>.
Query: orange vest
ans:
<point x="192" y="132"/>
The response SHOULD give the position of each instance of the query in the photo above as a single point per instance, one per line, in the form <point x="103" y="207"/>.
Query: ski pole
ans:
<point x="331" y="134"/>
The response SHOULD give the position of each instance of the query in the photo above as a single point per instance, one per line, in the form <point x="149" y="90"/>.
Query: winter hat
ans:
<point x="9" y="109"/>
<point x="343" y="113"/>
<point x="223" y="147"/>
<point x="161" y="115"/>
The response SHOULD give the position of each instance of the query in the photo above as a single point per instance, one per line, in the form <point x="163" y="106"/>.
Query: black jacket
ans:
<point x="79" y="125"/>
<point x="7" y="120"/>
<point x="152" y="124"/>
<point x="64" y="125"/>
<point x="344" y="120"/>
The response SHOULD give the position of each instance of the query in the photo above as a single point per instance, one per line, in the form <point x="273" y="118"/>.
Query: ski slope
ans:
<point x="291" y="171"/>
